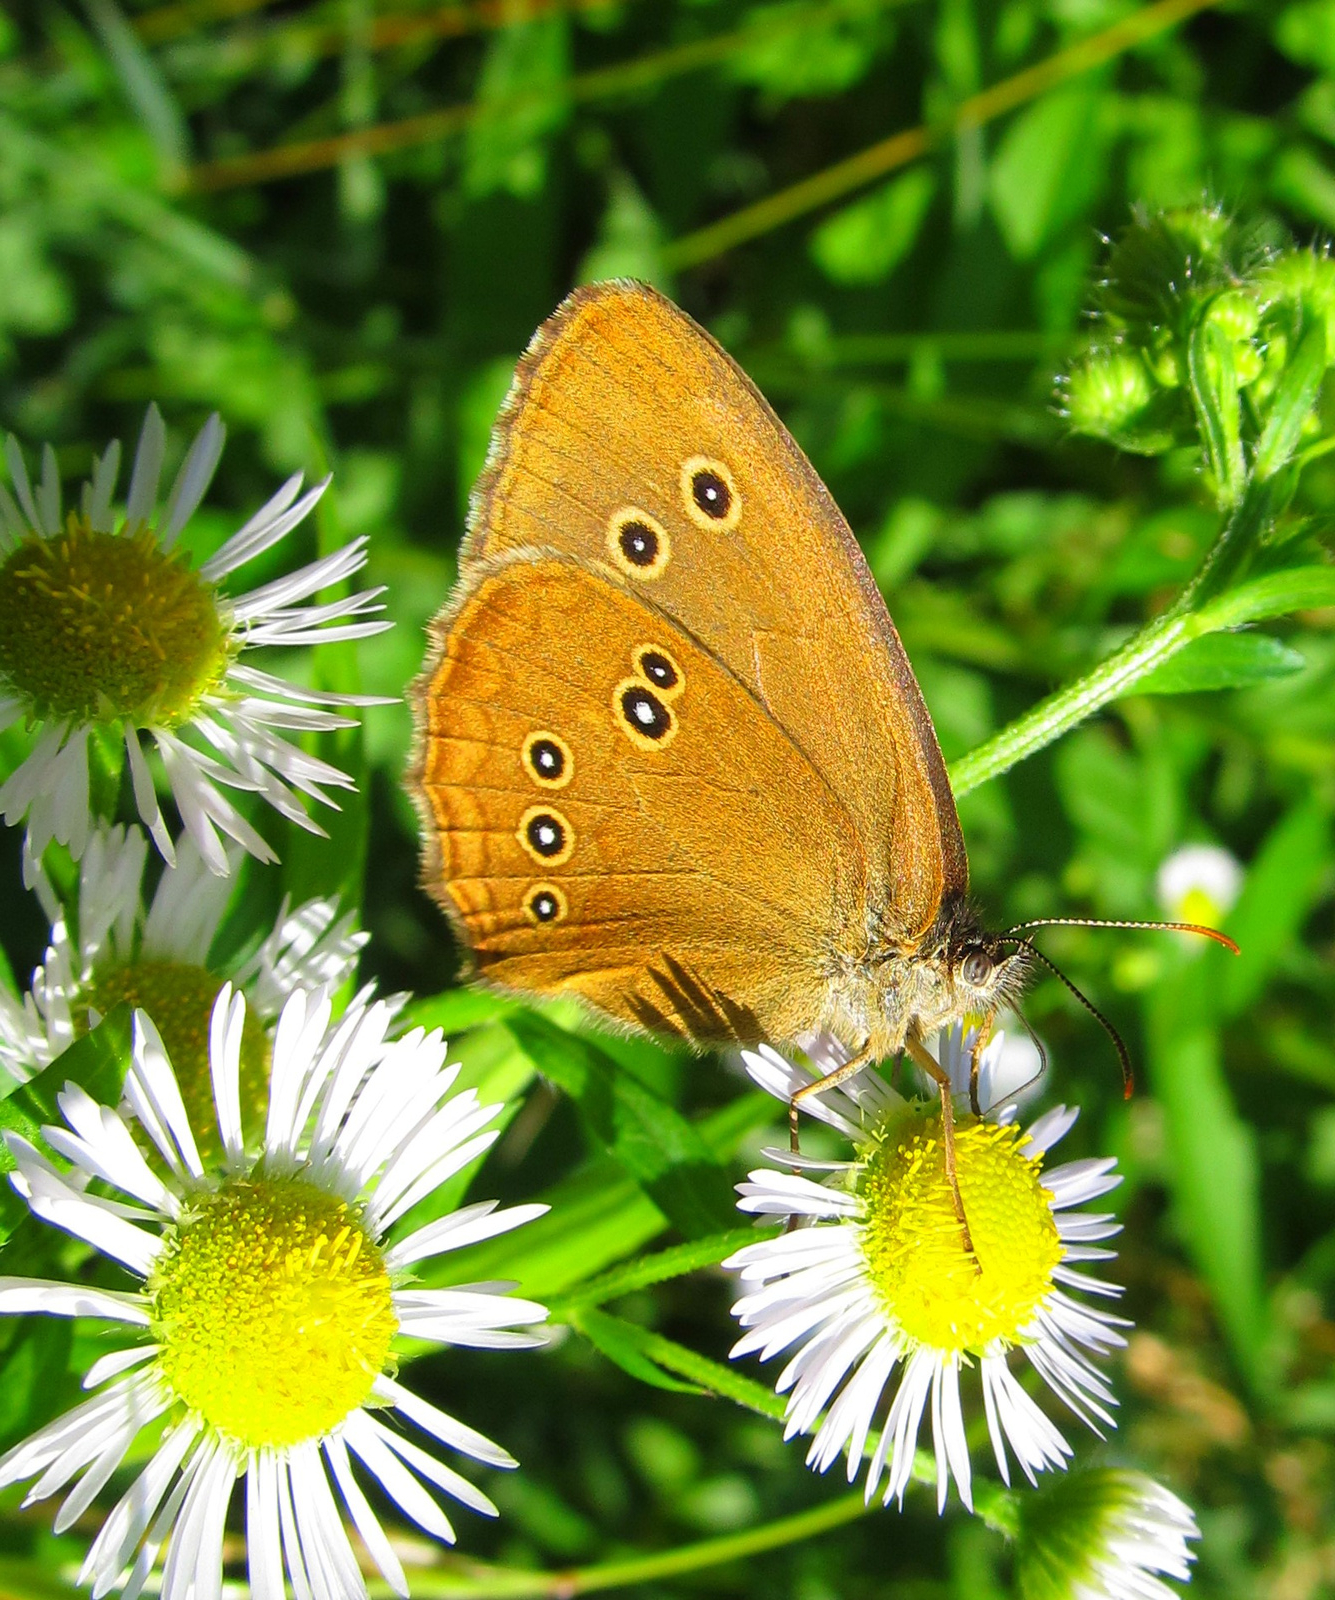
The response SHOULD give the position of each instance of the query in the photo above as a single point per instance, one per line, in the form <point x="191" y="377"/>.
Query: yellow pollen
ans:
<point x="98" y="626"/>
<point x="928" y="1283"/>
<point x="273" y="1309"/>
<point x="179" y="997"/>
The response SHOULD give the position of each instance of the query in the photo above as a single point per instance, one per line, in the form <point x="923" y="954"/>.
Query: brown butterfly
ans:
<point x="671" y="756"/>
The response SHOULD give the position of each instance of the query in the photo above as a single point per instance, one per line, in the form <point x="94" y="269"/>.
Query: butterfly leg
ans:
<point x="831" y="1080"/>
<point x="924" y="1058"/>
<point x="975" y="1056"/>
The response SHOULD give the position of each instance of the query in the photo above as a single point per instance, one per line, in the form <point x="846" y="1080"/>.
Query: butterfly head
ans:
<point x="959" y="970"/>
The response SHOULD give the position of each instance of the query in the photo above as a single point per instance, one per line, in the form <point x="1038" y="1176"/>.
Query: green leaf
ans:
<point x="455" y="1010"/>
<point x="1275" y="595"/>
<point x="1214" y="392"/>
<point x="1293" y="401"/>
<point x="865" y="242"/>
<point x="1222" y="661"/>
<point x="612" y="1337"/>
<point x="657" y="1268"/>
<point x="598" y="1215"/>
<point x="713" y="1376"/>
<point x="1285" y="880"/>
<point x="1213" y="1166"/>
<point x="663" y="1152"/>
<point x="97" y="1063"/>
<point x="1048" y="165"/>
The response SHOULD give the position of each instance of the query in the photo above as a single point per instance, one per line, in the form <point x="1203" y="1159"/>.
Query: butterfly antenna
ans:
<point x="1099" y="922"/>
<point x="1123" y="1054"/>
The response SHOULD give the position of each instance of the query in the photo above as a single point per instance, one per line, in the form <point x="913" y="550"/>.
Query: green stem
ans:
<point x="1149" y="648"/>
<point x="1060" y="712"/>
<point x="512" y="1583"/>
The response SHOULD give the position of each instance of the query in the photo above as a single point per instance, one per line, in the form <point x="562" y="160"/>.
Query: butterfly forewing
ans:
<point x="612" y="812"/>
<point x="632" y="440"/>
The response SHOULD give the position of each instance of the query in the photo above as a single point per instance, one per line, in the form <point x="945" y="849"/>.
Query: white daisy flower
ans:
<point x="881" y="1280"/>
<point x="111" y="947"/>
<point x="260" y="1333"/>
<point x="1199" y="883"/>
<point x="106" y="626"/>
<point x="1103" y="1534"/>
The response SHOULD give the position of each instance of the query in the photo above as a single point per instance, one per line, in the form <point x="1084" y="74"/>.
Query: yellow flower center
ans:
<point x="100" y="627"/>
<point x="272" y="1306"/>
<point x="939" y="1294"/>
<point x="179" y="998"/>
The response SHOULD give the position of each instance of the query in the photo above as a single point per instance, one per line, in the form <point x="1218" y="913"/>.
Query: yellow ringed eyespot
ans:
<point x="643" y="715"/>
<point x="638" y="543"/>
<point x="659" y="669"/>
<point x="546" y="835"/>
<point x="548" y="760"/>
<point x="709" y="494"/>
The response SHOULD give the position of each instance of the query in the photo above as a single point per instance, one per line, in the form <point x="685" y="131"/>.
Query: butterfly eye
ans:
<point x="977" y="968"/>
<point x="709" y="494"/>
<point x="546" y="835"/>
<point x="638" y="543"/>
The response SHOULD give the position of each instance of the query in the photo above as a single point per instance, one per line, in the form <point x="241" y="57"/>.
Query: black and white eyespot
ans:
<point x="643" y="715"/>
<point x="548" y="760"/>
<point x="660" y="669"/>
<point x="977" y="968"/>
<point x="709" y="494"/>
<point x="545" y="903"/>
<point x="638" y="543"/>
<point x="546" y="835"/>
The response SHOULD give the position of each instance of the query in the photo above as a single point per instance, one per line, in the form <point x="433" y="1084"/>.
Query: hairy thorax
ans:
<point x="880" y="995"/>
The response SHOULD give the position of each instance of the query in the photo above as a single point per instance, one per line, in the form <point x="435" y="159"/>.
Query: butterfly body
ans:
<point x="671" y="755"/>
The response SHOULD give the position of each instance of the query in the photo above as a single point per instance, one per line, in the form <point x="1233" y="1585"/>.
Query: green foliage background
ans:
<point x="338" y="222"/>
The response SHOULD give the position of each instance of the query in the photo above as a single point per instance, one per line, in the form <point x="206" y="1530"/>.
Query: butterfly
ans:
<point x="671" y="756"/>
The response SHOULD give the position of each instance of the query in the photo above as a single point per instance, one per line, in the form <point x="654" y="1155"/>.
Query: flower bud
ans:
<point x="1109" y="394"/>
<point x="1102" y="1533"/>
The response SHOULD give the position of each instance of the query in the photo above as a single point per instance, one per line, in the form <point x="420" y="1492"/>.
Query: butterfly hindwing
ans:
<point x="611" y="812"/>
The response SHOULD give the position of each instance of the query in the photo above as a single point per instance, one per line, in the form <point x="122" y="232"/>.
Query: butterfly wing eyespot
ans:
<point x="546" y="903"/>
<point x="643" y="715"/>
<point x="546" y="835"/>
<point x="638" y="543"/>
<point x="548" y="759"/>
<point x="709" y="494"/>
<point x="659" y="668"/>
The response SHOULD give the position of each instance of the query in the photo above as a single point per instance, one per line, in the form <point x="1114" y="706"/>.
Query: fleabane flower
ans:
<point x="110" y="946"/>
<point x="1199" y="883"/>
<point x="107" y="627"/>
<point x="1103" y="1534"/>
<point x="261" y="1329"/>
<point x="879" y="1291"/>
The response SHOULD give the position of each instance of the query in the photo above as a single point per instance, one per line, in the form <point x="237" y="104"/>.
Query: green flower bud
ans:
<point x="1248" y="362"/>
<point x="1165" y="363"/>
<point x="1305" y="281"/>
<point x="1102" y="1532"/>
<point x="1234" y="313"/>
<point x="1109" y="394"/>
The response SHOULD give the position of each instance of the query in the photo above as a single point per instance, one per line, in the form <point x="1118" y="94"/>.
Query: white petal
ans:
<point x="194" y="477"/>
<point x="144" y="475"/>
<point x="397" y="1482"/>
